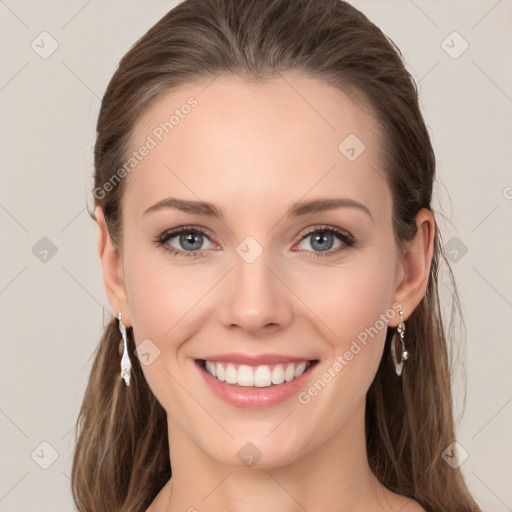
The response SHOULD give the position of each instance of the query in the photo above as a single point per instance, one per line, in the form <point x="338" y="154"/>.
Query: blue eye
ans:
<point x="322" y="240"/>
<point x="190" y="240"/>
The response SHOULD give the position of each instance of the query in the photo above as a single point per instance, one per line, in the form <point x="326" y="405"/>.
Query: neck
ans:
<point x="333" y="476"/>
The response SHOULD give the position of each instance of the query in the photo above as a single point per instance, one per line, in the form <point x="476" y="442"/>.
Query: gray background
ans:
<point x="52" y="301"/>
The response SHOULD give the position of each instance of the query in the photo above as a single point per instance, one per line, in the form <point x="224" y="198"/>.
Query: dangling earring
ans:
<point x="399" y="333"/>
<point x="126" y="365"/>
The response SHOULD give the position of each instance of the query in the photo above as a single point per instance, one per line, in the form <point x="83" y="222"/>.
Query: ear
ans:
<point x="416" y="262"/>
<point x="111" y="264"/>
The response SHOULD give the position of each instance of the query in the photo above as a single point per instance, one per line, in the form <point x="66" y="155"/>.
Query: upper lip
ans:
<point x="254" y="360"/>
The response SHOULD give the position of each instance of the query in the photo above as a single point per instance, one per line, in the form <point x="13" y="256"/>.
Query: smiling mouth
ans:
<point x="260" y="376"/>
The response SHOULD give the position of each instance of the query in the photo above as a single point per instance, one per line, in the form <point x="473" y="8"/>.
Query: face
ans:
<point x="267" y="280"/>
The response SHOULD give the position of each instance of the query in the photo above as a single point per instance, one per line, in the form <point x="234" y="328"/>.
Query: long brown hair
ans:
<point x="121" y="459"/>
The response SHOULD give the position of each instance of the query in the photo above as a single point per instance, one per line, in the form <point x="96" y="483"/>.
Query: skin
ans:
<point x="252" y="149"/>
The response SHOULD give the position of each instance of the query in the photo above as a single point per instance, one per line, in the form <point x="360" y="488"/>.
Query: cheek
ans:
<point x="162" y="297"/>
<point x="364" y="297"/>
<point x="353" y="301"/>
<point x="168" y="306"/>
<point x="350" y="297"/>
<point x="162" y="301"/>
<point x="357" y="310"/>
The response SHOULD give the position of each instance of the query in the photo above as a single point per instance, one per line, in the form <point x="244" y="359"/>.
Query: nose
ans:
<point x="255" y="299"/>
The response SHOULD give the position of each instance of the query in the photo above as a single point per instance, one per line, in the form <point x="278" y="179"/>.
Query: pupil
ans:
<point x="320" y="238"/>
<point x="189" y="238"/>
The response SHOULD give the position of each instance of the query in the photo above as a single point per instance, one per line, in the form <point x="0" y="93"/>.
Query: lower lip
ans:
<point x="255" y="397"/>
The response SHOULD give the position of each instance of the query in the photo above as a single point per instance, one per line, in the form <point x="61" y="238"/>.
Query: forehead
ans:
<point x="241" y="142"/>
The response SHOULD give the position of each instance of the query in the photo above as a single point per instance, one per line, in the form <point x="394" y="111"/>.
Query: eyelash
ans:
<point x="342" y="235"/>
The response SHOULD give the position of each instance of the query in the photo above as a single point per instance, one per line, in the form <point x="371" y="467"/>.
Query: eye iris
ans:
<point x="320" y="238"/>
<point x="189" y="238"/>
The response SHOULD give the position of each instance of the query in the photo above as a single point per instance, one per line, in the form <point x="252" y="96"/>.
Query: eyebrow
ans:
<point x="296" y="209"/>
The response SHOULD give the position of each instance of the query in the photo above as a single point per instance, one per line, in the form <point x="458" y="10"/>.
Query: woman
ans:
<point x="293" y="356"/>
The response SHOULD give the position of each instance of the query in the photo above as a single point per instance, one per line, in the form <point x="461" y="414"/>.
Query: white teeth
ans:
<point x="301" y="368"/>
<point x="289" y="373"/>
<point x="278" y="374"/>
<point x="245" y="376"/>
<point x="231" y="374"/>
<point x="256" y="376"/>
<point x="262" y="377"/>
<point x="220" y="372"/>
<point x="212" y="368"/>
